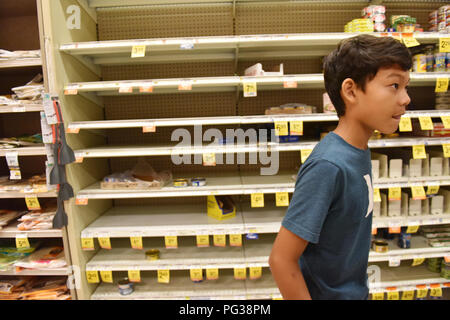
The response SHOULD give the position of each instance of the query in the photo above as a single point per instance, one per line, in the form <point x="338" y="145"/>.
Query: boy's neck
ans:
<point x="353" y="133"/>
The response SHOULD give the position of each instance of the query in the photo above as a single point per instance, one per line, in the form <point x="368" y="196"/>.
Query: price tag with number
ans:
<point x="376" y="195"/>
<point x="281" y="128"/>
<point x="240" y="273"/>
<point x="290" y="84"/>
<point x="146" y="88"/>
<point x="408" y="295"/>
<point x="441" y="85"/>
<point x="32" y="203"/>
<point x="446" y="149"/>
<point x="125" y="88"/>
<point x="393" y="295"/>
<point x="163" y="276"/>
<point x="136" y="242"/>
<point x="446" y="121"/>
<point x="134" y="275"/>
<point x="202" y="241"/>
<point x="304" y="154"/>
<point x="436" y="291"/>
<point x="296" y="128"/>
<point x="151" y="127"/>
<point x="412" y="229"/>
<point x="92" y="277"/>
<point x="219" y="240"/>
<point x="444" y="44"/>
<point x="405" y="124"/>
<point x="250" y="89"/>
<point x="212" y="274"/>
<point x="282" y="199"/>
<point x="255" y="273"/>
<point x="171" y="242"/>
<point x="378" y="296"/>
<point x="209" y="159"/>
<point x="87" y="244"/>
<point x="236" y="240"/>
<point x="185" y="86"/>
<point x="106" y="276"/>
<point x="104" y="242"/>
<point x="394" y="262"/>
<point x="418" y="193"/>
<point x="138" y="51"/>
<point x="410" y="41"/>
<point x="257" y="200"/>
<point x="422" y="291"/>
<point x="12" y="159"/>
<point x="22" y="241"/>
<point x="15" y="174"/>
<point x="196" y="274"/>
<point x="432" y="190"/>
<point x="395" y="193"/>
<point x="419" y="152"/>
<point x="426" y="123"/>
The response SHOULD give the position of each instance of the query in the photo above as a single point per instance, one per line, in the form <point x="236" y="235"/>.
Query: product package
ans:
<point x="45" y="258"/>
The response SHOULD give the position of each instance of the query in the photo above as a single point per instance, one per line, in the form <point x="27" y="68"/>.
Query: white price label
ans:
<point x="12" y="158"/>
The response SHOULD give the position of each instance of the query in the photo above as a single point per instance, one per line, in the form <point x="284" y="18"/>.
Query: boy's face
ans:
<point x="384" y="100"/>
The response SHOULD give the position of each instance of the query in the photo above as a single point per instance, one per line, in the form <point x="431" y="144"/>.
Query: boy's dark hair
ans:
<point x="359" y="58"/>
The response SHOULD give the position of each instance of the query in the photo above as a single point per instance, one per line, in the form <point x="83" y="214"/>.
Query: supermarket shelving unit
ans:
<point x="21" y="29"/>
<point x="204" y="46"/>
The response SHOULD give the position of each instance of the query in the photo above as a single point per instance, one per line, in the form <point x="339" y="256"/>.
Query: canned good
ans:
<point x="180" y="183"/>
<point x="440" y="64"/>
<point x="152" y="254"/>
<point x="420" y="63"/>
<point x="198" y="182"/>
<point x="125" y="287"/>
<point x="404" y="240"/>
<point x="380" y="246"/>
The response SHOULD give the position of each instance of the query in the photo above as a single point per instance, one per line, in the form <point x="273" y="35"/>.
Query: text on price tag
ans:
<point x="202" y="241"/>
<point x="236" y="240"/>
<point x="418" y="193"/>
<point x="250" y="89"/>
<point x="441" y="85"/>
<point x="444" y="44"/>
<point x="22" y="241"/>
<point x="240" y="273"/>
<point x="32" y="203"/>
<point x="405" y="124"/>
<point x="212" y="274"/>
<point x="296" y="128"/>
<point x="163" y="276"/>
<point x="196" y="274"/>
<point x="134" y="275"/>
<point x="106" y="276"/>
<point x="136" y="242"/>
<point x="257" y="200"/>
<point x="92" y="277"/>
<point x="138" y="51"/>
<point x="432" y="190"/>
<point x="171" y="242"/>
<point x="281" y="128"/>
<point x="426" y="123"/>
<point x="419" y="152"/>
<point x="87" y="244"/>
<point x="408" y="295"/>
<point x="255" y="273"/>
<point x="219" y="240"/>
<point x="282" y="199"/>
<point x="395" y="193"/>
<point x="104" y="243"/>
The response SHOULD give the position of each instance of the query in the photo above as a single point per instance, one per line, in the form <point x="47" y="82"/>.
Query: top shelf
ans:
<point x="222" y="48"/>
<point x="20" y="63"/>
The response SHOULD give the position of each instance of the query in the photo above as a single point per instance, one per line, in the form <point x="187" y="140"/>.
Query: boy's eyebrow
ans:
<point x="397" y="75"/>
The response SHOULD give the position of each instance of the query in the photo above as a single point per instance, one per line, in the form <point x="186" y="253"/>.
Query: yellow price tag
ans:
<point x="136" y="243"/>
<point x="87" y="243"/>
<point x="202" y="241"/>
<point x="393" y="295"/>
<point x="255" y="273"/>
<point x="212" y="274"/>
<point x="171" y="242"/>
<point x="422" y="293"/>
<point x="432" y="190"/>
<point x="408" y="295"/>
<point x="105" y="242"/>
<point x="296" y="128"/>
<point x="441" y="85"/>
<point x="138" y="51"/>
<point x="419" y="152"/>
<point x="426" y="123"/>
<point x="240" y="273"/>
<point x="281" y="128"/>
<point x="209" y="159"/>
<point x="378" y="296"/>
<point x="418" y="193"/>
<point x="304" y="154"/>
<point x="376" y="195"/>
<point x="257" y="200"/>
<point x="395" y="193"/>
<point x="282" y="199"/>
<point x="32" y="203"/>
<point x="196" y="274"/>
<point x="444" y="44"/>
<point x="436" y="292"/>
<point x="163" y="276"/>
<point x="22" y="241"/>
<point x="220" y="240"/>
<point x="412" y="229"/>
<point x="134" y="275"/>
<point x="106" y="276"/>
<point x="446" y="121"/>
<point x="410" y="41"/>
<point x="446" y="149"/>
<point x="405" y="124"/>
<point x="236" y="240"/>
<point x="250" y="89"/>
<point x="92" y="277"/>
<point x="417" y="262"/>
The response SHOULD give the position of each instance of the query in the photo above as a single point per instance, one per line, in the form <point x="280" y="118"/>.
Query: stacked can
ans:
<point x="445" y="269"/>
<point x="359" y="25"/>
<point x="377" y="15"/>
<point x="435" y="264"/>
<point x="439" y="20"/>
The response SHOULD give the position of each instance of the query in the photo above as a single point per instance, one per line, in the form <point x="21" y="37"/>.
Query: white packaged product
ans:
<point x="45" y="258"/>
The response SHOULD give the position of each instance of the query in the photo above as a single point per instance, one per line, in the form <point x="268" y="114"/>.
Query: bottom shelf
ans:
<point x="227" y="288"/>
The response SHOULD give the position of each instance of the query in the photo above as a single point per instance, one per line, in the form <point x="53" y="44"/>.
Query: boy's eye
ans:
<point x="395" y="85"/>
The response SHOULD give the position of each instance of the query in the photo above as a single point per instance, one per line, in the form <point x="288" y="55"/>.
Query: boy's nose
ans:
<point x="405" y="99"/>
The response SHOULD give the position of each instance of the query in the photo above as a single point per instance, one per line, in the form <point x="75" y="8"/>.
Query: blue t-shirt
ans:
<point x="331" y="208"/>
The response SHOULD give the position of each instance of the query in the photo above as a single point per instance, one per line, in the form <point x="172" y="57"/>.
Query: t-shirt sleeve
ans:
<point x="314" y="193"/>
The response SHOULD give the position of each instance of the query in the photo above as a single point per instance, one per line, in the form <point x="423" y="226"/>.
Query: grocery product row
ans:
<point x="34" y="288"/>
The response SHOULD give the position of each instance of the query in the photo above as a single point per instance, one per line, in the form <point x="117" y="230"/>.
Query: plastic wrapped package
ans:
<point x="291" y="108"/>
<point x="36" y="220"/>
<point x="10" y="255"/>
<point x="19" y="54"/>
<point x="45" y="258"/>
<point x="257" y="70"/>
<point x="32" y="90"/>
<point x="142" y="176"/>
<point x="6" y="216"/>
<point x="54" y="288"/>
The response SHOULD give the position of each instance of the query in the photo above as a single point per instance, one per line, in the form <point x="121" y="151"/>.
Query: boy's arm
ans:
<point x="283" y="261"/>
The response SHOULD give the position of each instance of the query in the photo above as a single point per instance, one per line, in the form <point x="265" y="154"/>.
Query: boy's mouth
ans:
<point x="398" y="116"/>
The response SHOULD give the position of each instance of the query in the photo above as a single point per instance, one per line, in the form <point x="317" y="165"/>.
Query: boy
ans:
<point x="322" y="248"/>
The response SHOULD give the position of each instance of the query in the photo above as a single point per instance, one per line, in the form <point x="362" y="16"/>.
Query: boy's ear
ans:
<point x="348" y="91"/>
